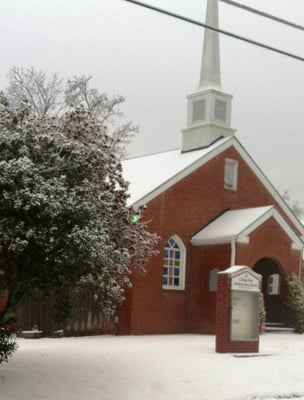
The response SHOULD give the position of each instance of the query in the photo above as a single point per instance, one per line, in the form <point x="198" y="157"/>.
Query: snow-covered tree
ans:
<point x="64" y="223"/>
<point x="50" y="95"/>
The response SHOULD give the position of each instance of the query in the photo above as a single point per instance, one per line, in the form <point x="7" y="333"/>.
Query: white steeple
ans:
<point x="209" y="108"/>
<point x="210" y="66"/>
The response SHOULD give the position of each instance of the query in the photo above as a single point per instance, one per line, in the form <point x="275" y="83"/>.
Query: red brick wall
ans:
<point x="201" y="300"/>
<point x="155" y="310"/>
<point x="184" y="209"/>
<point x="271" y="241"/>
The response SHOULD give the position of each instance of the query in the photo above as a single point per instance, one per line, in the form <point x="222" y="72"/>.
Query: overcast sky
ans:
<point x="154" y="61"/>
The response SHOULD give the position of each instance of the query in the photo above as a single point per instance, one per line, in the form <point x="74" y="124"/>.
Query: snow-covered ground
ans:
<point x="166" y="367"/>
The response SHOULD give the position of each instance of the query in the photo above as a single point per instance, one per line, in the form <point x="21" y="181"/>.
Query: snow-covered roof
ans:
<point x="236" y="225"/>
<point x="149" y="175"/>
<point x="229" y="226"/>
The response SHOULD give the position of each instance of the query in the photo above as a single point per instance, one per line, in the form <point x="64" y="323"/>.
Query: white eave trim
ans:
<point x="296" y="243"/>
<point x="267" y="184"/>
<point x="220" y="240"/>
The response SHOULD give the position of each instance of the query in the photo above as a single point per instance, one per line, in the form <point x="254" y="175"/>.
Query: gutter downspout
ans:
<point x="233" y="253"/>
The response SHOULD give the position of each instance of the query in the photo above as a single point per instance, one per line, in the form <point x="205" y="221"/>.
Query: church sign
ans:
<point x="237" y="318"/>
<point x="244" y="305"/>
<point x="245" y="281"/>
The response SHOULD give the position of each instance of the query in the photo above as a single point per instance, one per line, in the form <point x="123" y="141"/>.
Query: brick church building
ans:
<point x="213" y="208"/>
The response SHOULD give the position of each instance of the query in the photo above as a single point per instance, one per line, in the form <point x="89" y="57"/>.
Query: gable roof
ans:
<point x="150" y="175"/>
<point x="237" y="225"/>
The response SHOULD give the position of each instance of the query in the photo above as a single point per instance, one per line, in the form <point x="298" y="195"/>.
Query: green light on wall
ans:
<point x="134" y="219"/>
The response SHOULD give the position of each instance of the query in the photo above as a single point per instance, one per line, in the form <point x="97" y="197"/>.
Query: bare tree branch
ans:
<point x="47" y="96"/>
<point x="295" y="206"/>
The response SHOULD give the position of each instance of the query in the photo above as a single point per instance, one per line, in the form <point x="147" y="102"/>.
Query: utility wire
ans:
<point x="263" y="14"/>
<point x="224" y="32"/>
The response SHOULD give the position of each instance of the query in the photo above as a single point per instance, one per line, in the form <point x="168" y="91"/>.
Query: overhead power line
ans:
<point x="263" y="14"/>
<point x="222" y="31"/>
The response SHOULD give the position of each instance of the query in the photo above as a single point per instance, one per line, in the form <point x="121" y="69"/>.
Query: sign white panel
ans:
<point x="245" y="281"/>
<point x="244" y="316"/>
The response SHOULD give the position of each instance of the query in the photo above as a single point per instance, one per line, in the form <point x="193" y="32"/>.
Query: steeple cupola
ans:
<point x="209" y="108"/>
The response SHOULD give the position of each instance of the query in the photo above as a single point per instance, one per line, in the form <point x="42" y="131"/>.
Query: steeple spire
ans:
<point x="209" y="108"/>
<point x="210" y="66"/>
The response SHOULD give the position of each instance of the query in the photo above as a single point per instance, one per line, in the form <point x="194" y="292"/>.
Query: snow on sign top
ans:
<point x="243" y="278"/>
<point x="149" y="175"/>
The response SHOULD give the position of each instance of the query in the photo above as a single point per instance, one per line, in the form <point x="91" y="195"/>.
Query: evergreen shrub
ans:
<point x="295" y="300"/>
<point x="262" y="311"/>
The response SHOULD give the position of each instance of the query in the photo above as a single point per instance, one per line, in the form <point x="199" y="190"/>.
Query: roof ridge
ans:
<point x="151" y="154"/>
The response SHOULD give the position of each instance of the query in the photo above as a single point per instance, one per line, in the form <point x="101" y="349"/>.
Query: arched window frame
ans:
<point x="174" y="254"/>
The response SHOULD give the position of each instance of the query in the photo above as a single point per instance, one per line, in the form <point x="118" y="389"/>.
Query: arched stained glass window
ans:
<point x="174" y="264"/>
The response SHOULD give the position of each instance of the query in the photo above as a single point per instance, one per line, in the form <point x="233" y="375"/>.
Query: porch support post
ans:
<point x="233" y="253"/>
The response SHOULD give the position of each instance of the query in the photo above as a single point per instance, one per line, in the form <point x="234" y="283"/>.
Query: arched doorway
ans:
<point x="272" y="278"/>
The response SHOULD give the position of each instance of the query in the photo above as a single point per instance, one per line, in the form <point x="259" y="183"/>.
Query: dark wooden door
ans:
<point x="271" y="288"/>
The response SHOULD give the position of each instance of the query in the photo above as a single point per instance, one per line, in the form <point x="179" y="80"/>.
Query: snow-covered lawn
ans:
<point x="165" y="367"/>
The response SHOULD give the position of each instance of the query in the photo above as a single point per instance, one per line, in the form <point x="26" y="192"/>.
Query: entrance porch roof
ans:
<point x="237" y="225"/>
